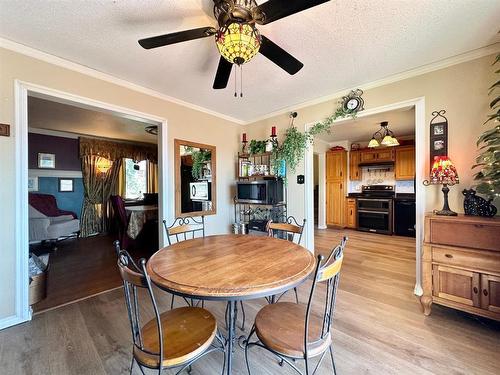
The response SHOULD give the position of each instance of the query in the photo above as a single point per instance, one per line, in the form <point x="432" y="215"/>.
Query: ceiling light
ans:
<point x="385" y="135"/>
<point x="238" y="42"/>
<point x="373" y="143"/>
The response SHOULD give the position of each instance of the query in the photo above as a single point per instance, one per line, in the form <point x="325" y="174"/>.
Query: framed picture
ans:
<point x="66" y="185"/>
<point x="438" y="135"/>
<point x="47" y="161"/>
<point x="32" y="183"/>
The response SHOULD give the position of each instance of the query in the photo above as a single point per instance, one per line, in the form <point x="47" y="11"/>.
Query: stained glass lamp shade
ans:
<point x="238" y="43"/>
<point x="444" y="172"/>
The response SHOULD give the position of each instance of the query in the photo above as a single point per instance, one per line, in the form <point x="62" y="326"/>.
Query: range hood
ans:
<point x="375" y="163"/>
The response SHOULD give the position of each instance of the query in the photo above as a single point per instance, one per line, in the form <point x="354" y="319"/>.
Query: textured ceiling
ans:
<point x="361" y="129"/>
<point x="50" y="115"/>
<point x="342" y="44"/>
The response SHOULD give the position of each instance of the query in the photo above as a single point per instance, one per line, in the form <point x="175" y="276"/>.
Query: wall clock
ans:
<point x="353" y="102"/>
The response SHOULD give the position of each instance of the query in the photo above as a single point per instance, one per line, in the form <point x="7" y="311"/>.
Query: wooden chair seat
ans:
<point x="187" y="332"/>
<point x="280" y="327"/>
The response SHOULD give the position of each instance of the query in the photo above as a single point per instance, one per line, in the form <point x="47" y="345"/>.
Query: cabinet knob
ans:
<point x="475" y="290"/>
<point x="485" y="292"/>
<point x="448" y="256"/>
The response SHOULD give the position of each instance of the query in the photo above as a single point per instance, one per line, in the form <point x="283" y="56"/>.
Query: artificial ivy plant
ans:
<point x="200" y="159"/>
<point x="489" y="159"/>
<point x="292" y="149"/>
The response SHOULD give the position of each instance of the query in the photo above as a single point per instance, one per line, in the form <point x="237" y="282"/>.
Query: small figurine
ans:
<point x="477" y="206"/>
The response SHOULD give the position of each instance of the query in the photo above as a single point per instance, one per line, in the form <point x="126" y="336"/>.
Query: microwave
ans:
<point x="260" y="192"/>
<point x="199" y="191"/>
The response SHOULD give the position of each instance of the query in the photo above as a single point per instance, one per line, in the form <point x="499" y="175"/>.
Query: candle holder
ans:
<point x="244" y="147"/>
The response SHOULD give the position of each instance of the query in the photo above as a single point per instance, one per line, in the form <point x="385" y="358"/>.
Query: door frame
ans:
<point x="22" y="89"/>
<point x="421" y="148"/>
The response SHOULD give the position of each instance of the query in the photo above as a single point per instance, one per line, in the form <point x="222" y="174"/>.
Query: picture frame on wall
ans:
<point x="66" y="185"/>
<point x="438" y="135"/>
<point x="46" y="161"/>
<point x="32" y="183"/>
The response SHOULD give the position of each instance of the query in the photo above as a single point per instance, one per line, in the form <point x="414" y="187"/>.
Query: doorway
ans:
<point x="24" y="90"/>
<point x="421" y="146"/>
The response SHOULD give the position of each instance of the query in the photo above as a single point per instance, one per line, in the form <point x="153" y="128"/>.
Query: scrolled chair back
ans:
<point x="135" y="277"/>
<point x="328" y="272"/>
<point x="185" y="228"/>
<point x="290" y="229"/>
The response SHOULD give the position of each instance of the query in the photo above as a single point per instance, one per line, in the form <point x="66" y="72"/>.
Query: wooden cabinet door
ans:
<point x="405" y="163"/>
<point x="354" y="170"/>
<point x="368" y="155"/>
<point x="385" y="154"/>
<point x="351" y="213"/>
<point x="335" y="203"/>
<point x="456" y="285"/>
<point x="490" y="293"/>
<point x="336" y="165"/>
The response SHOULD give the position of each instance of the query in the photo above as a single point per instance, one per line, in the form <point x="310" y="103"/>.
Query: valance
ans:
<point x="114" y="150"/>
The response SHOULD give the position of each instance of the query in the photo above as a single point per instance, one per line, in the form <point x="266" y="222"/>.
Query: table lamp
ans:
<point x="443" y="172"/>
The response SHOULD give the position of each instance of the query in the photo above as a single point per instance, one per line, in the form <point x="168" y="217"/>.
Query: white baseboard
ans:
<point x="322" y="227"/>
<point x="11" y="321"/>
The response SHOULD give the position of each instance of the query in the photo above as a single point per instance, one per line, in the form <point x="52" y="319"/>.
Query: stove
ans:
<point x="375" y="208"/>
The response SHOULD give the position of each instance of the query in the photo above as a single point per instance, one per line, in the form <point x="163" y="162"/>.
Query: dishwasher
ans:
<point x="404" y="216"/>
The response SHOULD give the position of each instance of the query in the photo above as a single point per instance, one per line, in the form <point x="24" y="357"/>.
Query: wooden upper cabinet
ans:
<point x="382" y="154"/>
<point x="336" y="165"/>
<point x="405" y="163"/>
<point x="354" y="169"/>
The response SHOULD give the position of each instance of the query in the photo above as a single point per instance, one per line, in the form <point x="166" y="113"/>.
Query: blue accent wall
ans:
<point x="70" y="201"/>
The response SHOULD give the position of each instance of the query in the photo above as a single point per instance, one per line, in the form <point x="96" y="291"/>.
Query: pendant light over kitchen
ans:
<point x="383" y="136"/>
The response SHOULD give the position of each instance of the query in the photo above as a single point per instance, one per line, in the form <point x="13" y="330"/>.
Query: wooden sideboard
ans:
<point x="461" y="264"/>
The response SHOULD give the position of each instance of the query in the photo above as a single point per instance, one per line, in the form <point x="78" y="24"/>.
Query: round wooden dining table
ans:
<point x="230" y="268"/>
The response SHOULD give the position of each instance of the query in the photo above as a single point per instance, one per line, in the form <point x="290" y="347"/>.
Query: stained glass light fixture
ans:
<point x="238" y="42"/>
<point x="385" y="135"/>
<point x="443" y="172"/>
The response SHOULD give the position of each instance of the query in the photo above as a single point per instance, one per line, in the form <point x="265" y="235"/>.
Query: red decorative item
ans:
<point x="443" y="172"/>
<point x="244" y="137"/>
<point x="273" y="131"/>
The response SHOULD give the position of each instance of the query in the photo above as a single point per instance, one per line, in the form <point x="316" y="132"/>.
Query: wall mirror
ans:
<point x="195" y="176"/>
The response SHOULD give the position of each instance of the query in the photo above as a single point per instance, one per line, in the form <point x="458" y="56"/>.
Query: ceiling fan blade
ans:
<point x="276" y="9"/>
<point x="279" y="56"/>
<point x="223" y="74"/>
<point x="180" y="36"/>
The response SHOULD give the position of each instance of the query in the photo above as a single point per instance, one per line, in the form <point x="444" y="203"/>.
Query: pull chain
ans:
<point x="235" y="85"/>
<point x="241" y="81"/>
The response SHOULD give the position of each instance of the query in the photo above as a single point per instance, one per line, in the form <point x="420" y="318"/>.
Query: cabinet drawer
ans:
<point x="466" y="234"/>
<point x="469" y="259"/>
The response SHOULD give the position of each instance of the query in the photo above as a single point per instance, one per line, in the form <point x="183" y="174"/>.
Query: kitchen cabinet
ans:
<point x="336" y="179"/>
<point x="354" y="169"/>
<point x="351" y="214"/>
<point x="461" y="264"/>
<point x="385" y="154"/>
<point x="405" y="163"/>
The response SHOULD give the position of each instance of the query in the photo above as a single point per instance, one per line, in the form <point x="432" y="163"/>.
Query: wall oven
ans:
<point x="374" y="208"/>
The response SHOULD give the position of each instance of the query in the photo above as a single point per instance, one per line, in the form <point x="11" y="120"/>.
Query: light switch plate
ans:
<point x="300" y="179"/>
<point x="5" y="130"/>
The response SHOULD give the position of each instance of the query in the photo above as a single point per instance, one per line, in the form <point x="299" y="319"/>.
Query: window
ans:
<point x="136" y="179"/>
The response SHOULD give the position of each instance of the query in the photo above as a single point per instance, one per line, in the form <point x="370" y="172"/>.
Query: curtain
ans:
<point x="152" y="175"/>
<point x="92" y="193"/>
<point x="113" y="150"/>
<point x="109" y="187"/>
<point x="122" y="185"/>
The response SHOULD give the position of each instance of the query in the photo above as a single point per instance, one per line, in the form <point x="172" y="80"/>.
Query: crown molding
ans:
<point x="63" y="63"/>
<point x="58" y="61"/>
<point x="437" y="65"/>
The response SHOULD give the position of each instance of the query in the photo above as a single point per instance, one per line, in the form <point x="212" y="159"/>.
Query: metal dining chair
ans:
<point x="292" y="231"/>
<point x="182" y="229"/>
<point x="174" y="339"/>
<point x="293" y="331"/>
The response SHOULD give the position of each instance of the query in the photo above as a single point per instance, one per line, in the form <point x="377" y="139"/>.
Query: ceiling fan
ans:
<point x="237" y="37"/>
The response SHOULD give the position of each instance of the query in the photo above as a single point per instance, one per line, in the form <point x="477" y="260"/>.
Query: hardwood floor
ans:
<point x="80" y="268"/>
<point x="378" y="327"/>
